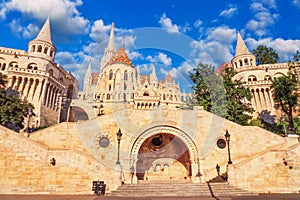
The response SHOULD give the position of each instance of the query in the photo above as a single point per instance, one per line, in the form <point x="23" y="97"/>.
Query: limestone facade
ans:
<point x="258" y="78"/>
<point x="119" y="81"/>
<point x="33" y="75"/>
<point x="162" y="145"/>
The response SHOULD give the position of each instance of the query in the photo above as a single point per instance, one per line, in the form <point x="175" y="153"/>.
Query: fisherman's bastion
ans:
<point x="130" y="131"/>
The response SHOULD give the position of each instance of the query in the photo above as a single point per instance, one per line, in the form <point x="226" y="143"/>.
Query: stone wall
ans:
<point x="262" y="161"/>
<point x="25" y="168"/>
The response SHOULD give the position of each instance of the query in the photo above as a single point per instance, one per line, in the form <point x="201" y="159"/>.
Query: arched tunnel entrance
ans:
<point x="163" y="156"/>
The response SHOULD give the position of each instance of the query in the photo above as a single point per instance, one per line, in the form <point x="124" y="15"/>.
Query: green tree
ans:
<point x="221" y="95"/>
<point x="238" y="106"/>
<point x="285" y="91"/>
<point x="13" y="110"/>
<point x="208" y="88"/>
<point x="296" y="56"/>
<point x="265" y="55"/>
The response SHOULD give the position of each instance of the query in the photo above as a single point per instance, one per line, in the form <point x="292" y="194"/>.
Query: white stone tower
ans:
<point x="42" y="45"/>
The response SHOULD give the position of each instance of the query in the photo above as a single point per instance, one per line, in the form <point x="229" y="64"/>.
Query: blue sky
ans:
<point x="171" y="35"/>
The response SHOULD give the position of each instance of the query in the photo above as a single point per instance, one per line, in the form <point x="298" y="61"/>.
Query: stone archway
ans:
<point x="164" y="153"/>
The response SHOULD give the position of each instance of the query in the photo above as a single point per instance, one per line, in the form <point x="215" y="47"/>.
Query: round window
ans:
<point x="221" y="143"/>
<point x="104" y="142"/>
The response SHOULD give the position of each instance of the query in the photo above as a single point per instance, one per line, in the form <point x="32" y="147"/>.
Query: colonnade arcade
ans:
<point x="35" y="89"/>
<point x="164" y="153"/>
<point x="262" y="99"/>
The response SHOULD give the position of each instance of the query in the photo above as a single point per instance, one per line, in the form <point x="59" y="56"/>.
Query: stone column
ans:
<point x="258" y="101"/>
<point x="262" y="100"/>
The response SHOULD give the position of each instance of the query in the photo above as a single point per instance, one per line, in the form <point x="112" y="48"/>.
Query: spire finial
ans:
<point x="111" y="42"/>
<point x="45" y="32"/>
<point x="241" y="48"/>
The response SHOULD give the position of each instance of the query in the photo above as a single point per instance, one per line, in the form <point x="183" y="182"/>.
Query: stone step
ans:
<point x="184" y="189"/>
<point x="162" y="189"/>
<point x="224" y="189"/>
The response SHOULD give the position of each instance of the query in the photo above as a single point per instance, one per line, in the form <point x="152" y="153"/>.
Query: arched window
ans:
<point x="51" y="52"/>
<point x="252" y="78"/>
<point x="171" y="97"/>
<point x="45" y="50"/>
<point x="268" y="78"/>
<point x="50" y="72"/>
<point x="108" y="96"/>
<point x="13" y="64"/>
<point x="39" y="49"/>
<point x="241" y="63"/>
<point x="3" y="66"/>
<point x="111" y="75"/>
<point x="118" y="75"/>
<point x="246" y="61"/>
<point x="109" y="87"/>
<point x="125" y="75"/>
<point x="146" y="93"/>
<point x="33" y="48"/>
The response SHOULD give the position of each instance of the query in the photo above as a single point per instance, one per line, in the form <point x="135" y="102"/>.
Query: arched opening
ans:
<point x="163" y="156"/>
<point x="39" y="49"/>
<point x="77" y="114"/>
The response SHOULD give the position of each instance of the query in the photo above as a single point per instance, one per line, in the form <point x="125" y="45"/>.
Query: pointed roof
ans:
<point x="45" y="32"/>
<point x="121" y="57"/>
<point x="111" y="41"/>
<point x="241" y="48"/>
<point x="169" y="78"/>
<point x="89" y="69"/>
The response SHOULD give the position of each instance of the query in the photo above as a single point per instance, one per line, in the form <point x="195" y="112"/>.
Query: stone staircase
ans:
<point x="221" y="189"/>
<point x="179" y="189"/>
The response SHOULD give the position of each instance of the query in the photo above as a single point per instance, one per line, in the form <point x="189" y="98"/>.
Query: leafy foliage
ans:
<point x="13" y="110"/>
<point x="265" y="55"/>
<point x="209" y="89"/>
<point x="237" y="96"/>
<point x="285" y="91"/>
<point x="221" y="95"/>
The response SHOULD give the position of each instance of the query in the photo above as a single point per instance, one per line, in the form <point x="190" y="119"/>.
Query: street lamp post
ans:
<point x="119" y="137"/>
<point x="227" y="137"/>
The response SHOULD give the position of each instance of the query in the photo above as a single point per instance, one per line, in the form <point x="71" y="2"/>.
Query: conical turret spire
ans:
<point x="241" y="48"/>
<point x="153" y="76"/>
<point x="45" y="33"/>
<point x="111" y="42"/>
<point x="89" y="69"/>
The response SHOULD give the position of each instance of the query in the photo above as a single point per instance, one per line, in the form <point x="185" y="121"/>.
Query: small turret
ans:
<point x="42" y="45"/>
<point x="243" y="57"/>
<point x="153" y="77"/>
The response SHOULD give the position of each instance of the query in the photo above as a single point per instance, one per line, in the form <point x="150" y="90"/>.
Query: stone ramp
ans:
<point x="178" y="189"/>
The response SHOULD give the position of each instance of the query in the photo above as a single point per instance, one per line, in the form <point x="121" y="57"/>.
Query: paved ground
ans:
<point x="94" y="197"/>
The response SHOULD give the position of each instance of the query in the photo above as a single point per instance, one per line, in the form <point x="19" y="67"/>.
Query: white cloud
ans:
<point x="269" y="3"/>
<point x="284" y="48"/>
<point x="228" y="13"/>
<point x="263" y="18"/>
<point x="27" y="32"/>
<point x="167" y="23"/>
<point x="133" y="55"/>
<point x="215" y="47"/>
<point x="160" y="58"/>
<point x="198" y="23"/>
<point x="145" y="68"/>
<point x="77" y="63"/>
<point x="99" y="31"/>
<point x="63" y="14"/>
<point x="296" y="3"/>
